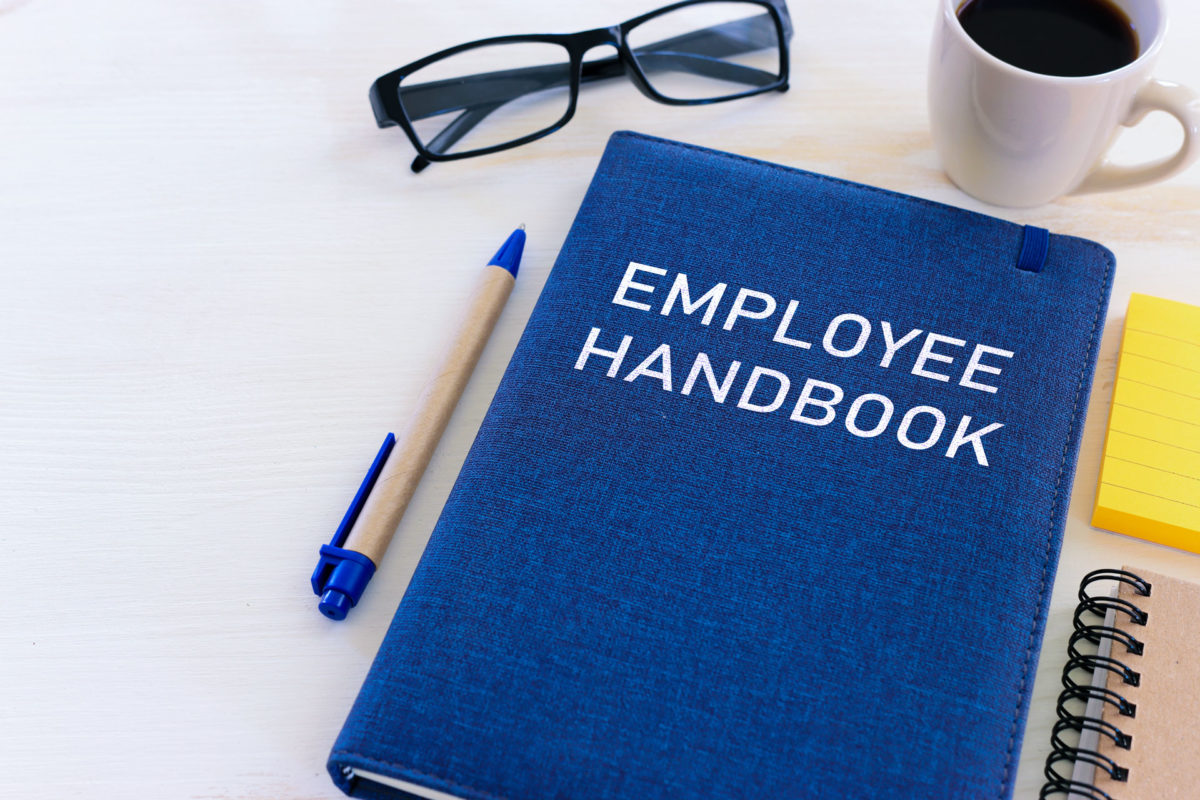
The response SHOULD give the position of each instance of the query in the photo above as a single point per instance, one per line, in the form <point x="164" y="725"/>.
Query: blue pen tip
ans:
<point x="509" y="254"/>
<point x="335" y="604"/>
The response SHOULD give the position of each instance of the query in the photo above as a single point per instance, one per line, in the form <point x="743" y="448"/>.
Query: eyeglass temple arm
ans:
<point x="479" y="95"/>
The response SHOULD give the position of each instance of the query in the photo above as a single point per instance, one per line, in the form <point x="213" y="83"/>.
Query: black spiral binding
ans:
<point x="1064" y="754"/>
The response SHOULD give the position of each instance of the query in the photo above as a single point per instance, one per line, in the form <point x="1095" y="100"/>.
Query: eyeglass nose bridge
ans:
<point x="599" y="36"/>
<point x="621" y="63"/>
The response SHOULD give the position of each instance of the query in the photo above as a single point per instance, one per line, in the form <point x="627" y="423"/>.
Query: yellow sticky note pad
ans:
<point x="1150" y="476"/>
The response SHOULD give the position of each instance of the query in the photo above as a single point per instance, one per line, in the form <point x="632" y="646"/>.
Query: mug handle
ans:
<point x="1178" y="101"/>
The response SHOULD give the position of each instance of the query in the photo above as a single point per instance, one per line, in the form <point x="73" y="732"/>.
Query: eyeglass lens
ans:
<point x="708" y="51"/>
<point x="488" y="95"/>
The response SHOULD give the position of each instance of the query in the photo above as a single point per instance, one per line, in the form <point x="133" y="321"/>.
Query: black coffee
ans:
<point x="1054" y="37"/>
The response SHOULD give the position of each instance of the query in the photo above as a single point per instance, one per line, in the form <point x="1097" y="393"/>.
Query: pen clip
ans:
<point x="341" y="575"/>
<point x="360" y="497"/>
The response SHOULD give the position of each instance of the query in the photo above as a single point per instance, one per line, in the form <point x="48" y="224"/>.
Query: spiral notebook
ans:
<point x="767" y="504"/>
<point x="1131" y="692"/>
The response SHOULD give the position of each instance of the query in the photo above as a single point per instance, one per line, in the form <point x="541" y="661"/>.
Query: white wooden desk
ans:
<point x="222" y="285"/>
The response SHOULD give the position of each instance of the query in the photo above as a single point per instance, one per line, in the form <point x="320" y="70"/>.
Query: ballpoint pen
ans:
<point x="350" y="559"/>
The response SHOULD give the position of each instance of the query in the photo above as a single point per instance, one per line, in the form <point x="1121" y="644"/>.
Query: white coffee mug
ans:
<point x="1017" y="138"/>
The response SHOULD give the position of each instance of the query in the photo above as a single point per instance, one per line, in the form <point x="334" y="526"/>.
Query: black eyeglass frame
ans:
<point x="385" y="91"/>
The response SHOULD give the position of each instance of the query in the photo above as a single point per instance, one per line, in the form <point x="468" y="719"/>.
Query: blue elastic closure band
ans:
<point x="1034" y="246"/>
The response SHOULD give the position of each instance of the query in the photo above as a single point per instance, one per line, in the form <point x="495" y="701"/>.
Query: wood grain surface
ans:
<point x="222" y="285"/>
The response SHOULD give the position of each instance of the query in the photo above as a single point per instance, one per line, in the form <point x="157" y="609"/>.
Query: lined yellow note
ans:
<point x="1150" y="476"/>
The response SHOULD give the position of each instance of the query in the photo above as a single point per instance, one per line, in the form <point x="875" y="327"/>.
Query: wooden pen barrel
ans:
<point x="376" y="524"/>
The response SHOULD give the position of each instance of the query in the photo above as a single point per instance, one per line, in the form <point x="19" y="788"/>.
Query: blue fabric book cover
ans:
<point x="768" y="504"/>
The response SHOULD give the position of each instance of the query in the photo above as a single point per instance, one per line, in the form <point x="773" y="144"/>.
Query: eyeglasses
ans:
<point x="493" y="94"/>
